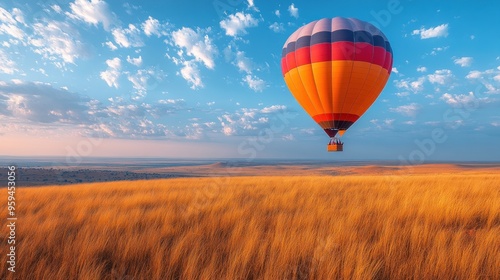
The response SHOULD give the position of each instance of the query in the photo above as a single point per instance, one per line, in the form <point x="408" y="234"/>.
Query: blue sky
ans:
<point x="202" y="79"/>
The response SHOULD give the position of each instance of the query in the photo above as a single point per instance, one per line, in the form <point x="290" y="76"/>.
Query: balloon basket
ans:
<point x="335" y="147"/>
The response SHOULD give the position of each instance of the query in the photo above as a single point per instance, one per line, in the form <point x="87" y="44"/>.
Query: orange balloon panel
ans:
<point x="336" y="68"/>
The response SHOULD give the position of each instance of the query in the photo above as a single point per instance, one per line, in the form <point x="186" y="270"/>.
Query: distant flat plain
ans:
<point x="58" y="171"/>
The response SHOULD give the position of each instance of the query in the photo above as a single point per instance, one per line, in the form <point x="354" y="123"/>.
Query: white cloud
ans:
<point x="55" y="40"/>
<point x="474" y="74"/>
<point x="288" y="137"/>
<point x="277" y="13"/>
<point x="395" y="70"/>
<point x="465" y="61"/>
<point x="153" y="26"/>
<point x="170" y="101"/>
<point x="440" y="76"/>
<point x="236" y="24"/>
<point x="43" y="72"/>
<point x="489" y="78"/>
<point x="422" y="69"/>
<point x="307" y="131"/>
<point x="433" y="32"/>
<point x="191" y="74"/>
<point x="114" y="63"/>
<point x="294" y="11"/>
<point x="402" y="94"/>
<point x="460" y="100"/>
<point x="56" y="8"/>
<point x="389" y="122"/>
<point x="414" y="86"/>
<point x="92" y="12"/>
<point x="250" y="3"/>
<point x="243" y="63"/>
<point x="9" y="21"/>
<point x="6" y="17"/>
<point x="130" y="8"/>
<point x="7" y="66"/>
<point x="439" y="49"/>
<point x="385" y="124"/>
<point x="12" y="30"/>
<point x="408" y="110"/>
<point x="195" y="130"/>
<point x="137" y="61"/>
<point x="277" y="27"/>
<point x="417" y="85"/>
<point x="112" y="74"/>
<point x="273" y="109"/>
<point x="491" y="88"/>
<point x="111" y="46"/>
<point x="119" y="109"/>
<point x="254" y="82"/>
<point x="248" y="121"/>
<point x="242" y="122"/>
<point x="128" y="37"/>
<point x="42" y="103"/>
<point x="40" y="107"/>
<point x="246" y="65"/>
<point x="18" y="15"/>
<point x="137" y="120"/>
<point x="139" y="82"/>
<point x="197" y="44"/>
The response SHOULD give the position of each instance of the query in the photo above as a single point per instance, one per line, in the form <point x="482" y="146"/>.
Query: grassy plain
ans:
<point x="404" y="226"/>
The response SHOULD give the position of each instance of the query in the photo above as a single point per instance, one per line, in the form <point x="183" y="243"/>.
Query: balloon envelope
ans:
<point x="335" y="69"/>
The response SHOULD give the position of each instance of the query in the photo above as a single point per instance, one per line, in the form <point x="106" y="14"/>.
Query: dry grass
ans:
<point x="353" y="227"/>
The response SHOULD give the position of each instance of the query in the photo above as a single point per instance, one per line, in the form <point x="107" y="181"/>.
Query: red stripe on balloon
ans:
<point x="343" y="50"/>
<point x="321" y="52"/>
<point x="284" y="67"/>
<point x="363" y="52"/>
<point x="303" y="56"/>
<point x="332" y="51"/>
<point x="290" y="61"/>
<point x="335" y="116"/>
<point x="379" y="56"/>
<point x="388" y="62"/>
<point x="337" y="51"/>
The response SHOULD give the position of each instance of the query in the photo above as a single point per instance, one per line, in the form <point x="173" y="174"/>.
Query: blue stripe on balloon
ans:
<point x="342" y="35"/>
<point x="304" y="41"/>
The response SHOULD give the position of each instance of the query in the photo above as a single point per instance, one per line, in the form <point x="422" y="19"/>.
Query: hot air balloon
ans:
<point x="335" y="69"/>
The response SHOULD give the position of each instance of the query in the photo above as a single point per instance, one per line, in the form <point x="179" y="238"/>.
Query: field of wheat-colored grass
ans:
<point x="304" y="227"/>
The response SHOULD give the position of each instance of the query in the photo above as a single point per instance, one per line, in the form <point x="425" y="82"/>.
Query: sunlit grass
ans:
<point x="352" y="227"/>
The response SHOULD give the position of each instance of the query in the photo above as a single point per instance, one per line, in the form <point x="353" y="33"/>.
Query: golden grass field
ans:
<point x="420" y="226"/>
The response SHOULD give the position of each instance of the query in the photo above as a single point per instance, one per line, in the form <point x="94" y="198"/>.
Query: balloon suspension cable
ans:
<point x="335" y="141"/>
<point x="335" y="145"/>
